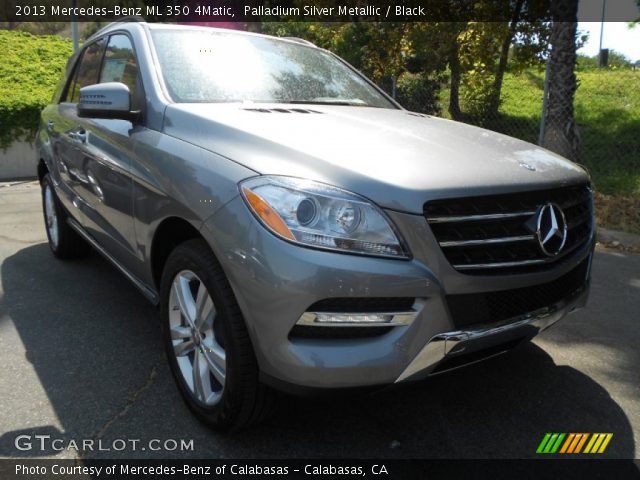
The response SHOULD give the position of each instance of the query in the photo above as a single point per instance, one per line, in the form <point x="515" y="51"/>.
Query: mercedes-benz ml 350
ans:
<point x="297" y="228"/>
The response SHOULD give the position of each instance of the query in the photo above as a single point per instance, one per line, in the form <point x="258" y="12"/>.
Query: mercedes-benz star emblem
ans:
<point x="531" y="168"/>
<point x="551" y="229"/>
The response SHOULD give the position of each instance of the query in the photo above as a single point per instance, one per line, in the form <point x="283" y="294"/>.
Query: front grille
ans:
<point x="496" y="234"/>
<point x="490" y="307"/>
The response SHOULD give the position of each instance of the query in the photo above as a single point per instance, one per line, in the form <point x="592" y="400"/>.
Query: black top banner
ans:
<point x="246" y="11"/>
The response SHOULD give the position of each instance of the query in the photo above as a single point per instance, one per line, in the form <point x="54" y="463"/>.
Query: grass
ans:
<point x="30" y="68"/>
<point x="607" y="108"/>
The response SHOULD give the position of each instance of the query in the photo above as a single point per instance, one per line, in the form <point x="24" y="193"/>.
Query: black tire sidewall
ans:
<point x="196" y="256"/>
<point x="60" y="214"/>
<point x="70" y="244"/>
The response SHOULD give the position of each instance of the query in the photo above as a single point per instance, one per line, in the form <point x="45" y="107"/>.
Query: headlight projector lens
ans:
<point x="306" y="212"/>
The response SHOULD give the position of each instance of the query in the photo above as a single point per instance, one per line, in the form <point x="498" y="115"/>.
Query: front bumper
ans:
<point x="276" y="282"/>
<point x="450" y="350"/>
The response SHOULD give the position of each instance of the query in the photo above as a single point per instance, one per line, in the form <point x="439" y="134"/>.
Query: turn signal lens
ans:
<point x="267" y="214"/>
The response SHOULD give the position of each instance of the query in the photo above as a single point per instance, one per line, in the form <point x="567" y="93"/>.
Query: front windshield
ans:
<point x="216" y="66"/>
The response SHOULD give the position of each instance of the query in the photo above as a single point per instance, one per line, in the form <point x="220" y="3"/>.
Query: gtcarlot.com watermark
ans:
<point x="47" y="443"/>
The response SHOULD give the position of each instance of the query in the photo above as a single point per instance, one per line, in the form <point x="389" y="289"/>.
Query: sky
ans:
<point x="617" y="36"/>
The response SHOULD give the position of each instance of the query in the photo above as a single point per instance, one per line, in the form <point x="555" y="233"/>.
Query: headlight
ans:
<point x="318" y="215"/>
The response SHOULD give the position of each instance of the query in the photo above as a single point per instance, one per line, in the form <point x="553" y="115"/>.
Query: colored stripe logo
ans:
<point x="574" y="443"/>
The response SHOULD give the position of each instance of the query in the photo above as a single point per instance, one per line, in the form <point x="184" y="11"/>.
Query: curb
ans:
<point x="618" y="239"/>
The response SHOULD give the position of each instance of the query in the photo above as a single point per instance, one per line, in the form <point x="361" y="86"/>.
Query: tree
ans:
<point x="478" y="53"/>
<point x="474" y="55"/>
<point x="528" y="34"/>
<point x="486" y="49"/>
<point x="561" y="133"/>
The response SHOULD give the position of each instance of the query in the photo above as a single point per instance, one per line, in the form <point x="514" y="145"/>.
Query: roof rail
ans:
<point x="300" y="40"/>
<point x="130" y="18"/>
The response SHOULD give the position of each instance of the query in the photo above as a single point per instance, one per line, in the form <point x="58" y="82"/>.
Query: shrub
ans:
<point x="418" y="93"/>
<point x="30" y="68"/>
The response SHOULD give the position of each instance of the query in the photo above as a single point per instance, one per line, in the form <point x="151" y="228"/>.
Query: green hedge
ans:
<point x="30" y="68"/>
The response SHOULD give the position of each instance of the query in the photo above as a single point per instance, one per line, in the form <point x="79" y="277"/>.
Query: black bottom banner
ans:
<point x="46" y="469"/>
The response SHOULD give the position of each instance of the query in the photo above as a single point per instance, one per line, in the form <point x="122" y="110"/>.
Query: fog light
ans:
<point x="325" y="319"/>
<point x="351" y="318"/>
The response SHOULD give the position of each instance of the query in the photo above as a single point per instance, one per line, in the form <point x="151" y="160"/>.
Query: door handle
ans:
<point x="50" y="125"/>
<point x="80" y="136"/>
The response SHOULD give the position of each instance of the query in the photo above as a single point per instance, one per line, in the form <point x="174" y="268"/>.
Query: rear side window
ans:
<point x="120" y="63"/>
<point x="87" y="71"/>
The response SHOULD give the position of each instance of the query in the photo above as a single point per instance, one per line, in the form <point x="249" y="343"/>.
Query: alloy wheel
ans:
<point x="51" y="218"/>
<point x="197" y="340"/>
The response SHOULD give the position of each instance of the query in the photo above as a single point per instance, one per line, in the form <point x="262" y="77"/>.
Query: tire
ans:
<point x="64" y="241"/>
<point x="208" y="347"/>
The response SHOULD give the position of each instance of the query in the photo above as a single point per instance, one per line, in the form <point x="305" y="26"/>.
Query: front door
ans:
<point x="98" y="152"/>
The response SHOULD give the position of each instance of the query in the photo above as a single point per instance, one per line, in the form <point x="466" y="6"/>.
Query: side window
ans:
<point x="87" y="71"/>
<point x="120" y="64"/>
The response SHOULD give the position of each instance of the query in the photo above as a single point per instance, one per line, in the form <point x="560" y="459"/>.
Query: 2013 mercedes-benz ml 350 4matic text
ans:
<point x="297" y="228"/>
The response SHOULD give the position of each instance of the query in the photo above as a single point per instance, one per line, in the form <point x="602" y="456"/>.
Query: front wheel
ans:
<point x="207" y="343"/>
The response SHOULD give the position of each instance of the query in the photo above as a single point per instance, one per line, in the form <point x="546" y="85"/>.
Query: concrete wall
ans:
<point x="20" y="160"/>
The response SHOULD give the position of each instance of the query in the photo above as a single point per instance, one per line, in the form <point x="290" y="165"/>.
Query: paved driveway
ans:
<point x="82" y="358"/>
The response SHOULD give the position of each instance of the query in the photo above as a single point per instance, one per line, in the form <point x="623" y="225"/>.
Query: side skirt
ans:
<point x="149" y="293"/>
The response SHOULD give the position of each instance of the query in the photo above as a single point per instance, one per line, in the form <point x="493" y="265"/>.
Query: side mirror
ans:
<point x="106" y="100"/>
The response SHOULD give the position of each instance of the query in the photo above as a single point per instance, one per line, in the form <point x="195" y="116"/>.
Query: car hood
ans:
<point x="397" y="158"/>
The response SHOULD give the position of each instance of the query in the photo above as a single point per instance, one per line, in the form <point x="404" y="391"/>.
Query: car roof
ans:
<point x="129" y="22"/>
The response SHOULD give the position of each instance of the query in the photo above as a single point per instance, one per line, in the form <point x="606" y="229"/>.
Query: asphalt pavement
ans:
<point x="82" y="359"/>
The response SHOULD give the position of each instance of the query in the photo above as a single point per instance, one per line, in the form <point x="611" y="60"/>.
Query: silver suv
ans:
<point x="297" y="228"/>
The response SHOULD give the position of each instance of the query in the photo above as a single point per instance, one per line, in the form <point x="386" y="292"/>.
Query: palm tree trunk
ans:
<point x="561" y="133"/>
<point x="454" y="90"/>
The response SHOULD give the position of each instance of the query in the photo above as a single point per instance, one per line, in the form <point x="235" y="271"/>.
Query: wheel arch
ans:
<point x="42" y="169"/>
<point x="170" y="233"/>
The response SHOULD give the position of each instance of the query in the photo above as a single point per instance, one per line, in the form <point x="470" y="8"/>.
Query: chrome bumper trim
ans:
<point x="451" y="344"/>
